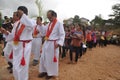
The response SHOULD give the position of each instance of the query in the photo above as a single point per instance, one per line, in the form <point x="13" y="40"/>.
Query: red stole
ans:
<point x="18" y="33"/>
<point x="35" y="31"/>
<point x="11" y="55"/>
<point x="54" y="58"/>
<point x="17" y="39"/>
<point x="49" y="30"/>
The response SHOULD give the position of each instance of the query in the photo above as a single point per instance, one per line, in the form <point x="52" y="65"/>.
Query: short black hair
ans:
<point x="53" y="13"/>
<point x="5" y="17"/>
<point x="24" y="9"/>
<point x="39" y="18"/>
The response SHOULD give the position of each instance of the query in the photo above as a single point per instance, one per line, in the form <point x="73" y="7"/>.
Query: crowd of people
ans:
<point x="79" y="40"/>
<point x="23" y="36"/>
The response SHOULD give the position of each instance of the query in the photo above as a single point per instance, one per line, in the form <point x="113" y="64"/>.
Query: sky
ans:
<point x="64" y="8"/>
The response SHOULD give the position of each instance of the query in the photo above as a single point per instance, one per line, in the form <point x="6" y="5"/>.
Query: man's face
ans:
<point x="49" y="16"/>
<point x="20" y="12"/>
<point x="78" y="28"/>
<point x="15" y="17"/>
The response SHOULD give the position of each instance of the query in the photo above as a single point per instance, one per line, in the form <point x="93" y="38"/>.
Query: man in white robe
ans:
<point x="22" y="43"/>
<point x="37" y="41"/>
<point x="8" y="50"/>
<point x="49" y="59"/>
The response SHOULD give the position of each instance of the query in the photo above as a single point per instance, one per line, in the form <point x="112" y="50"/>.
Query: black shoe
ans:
<point x="11" y="71"/>
<point x="9" y="68"/>
<point x="48" y="77"/>
<point x="35" y="62"/>
<point x="10" y="65"/>
<point x="41" y="75"/>
<point x="2" y="53"/>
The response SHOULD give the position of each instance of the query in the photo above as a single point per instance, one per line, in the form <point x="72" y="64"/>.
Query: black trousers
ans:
<point x="90" y="44"/>
<point x="81" y="49"/>
<point x="65" y="49"/>
<point x="76" y="50"/>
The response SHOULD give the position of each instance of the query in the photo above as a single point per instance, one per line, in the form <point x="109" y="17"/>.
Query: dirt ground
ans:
<point x="97" y="64"/>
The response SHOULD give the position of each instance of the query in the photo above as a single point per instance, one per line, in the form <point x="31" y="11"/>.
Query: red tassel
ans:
<point x="55" y="59"/>
<point x="22" y="61"/>
<point x="11" y="55"/>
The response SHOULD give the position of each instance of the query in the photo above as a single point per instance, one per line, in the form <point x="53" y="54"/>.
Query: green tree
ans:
<point x="98" y="22"/>
<point x="116" y="14"/>
<point x="39" y="6"/>
<point x="76" y="19"/>
<point x="41" y="12"/>
<point x="1" y="19"/>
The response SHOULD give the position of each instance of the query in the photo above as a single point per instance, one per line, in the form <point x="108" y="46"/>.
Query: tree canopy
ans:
<point x="116" y="14"/>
